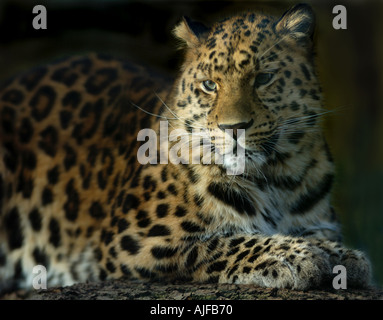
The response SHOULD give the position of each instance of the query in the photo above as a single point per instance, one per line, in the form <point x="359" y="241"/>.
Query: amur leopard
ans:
<point x="75" y="199"/>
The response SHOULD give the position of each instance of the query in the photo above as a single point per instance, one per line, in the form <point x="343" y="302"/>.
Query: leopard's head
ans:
<point x="250" y="74"/>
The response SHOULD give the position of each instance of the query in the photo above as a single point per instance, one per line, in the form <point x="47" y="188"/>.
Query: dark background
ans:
<point x="350" y="66"/>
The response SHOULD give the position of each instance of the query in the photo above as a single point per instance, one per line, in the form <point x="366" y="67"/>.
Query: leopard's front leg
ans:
<point x="277" y="261"/>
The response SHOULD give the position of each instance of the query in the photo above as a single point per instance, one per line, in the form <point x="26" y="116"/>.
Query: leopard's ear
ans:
<point x="299" y="22"/>
<point x="191" y="32"/>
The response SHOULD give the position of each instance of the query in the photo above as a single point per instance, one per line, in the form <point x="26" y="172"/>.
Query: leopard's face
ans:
<point x="252" y="73"/>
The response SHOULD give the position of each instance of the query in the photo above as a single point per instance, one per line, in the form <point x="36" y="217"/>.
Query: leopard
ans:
<point x="76" y="200"/>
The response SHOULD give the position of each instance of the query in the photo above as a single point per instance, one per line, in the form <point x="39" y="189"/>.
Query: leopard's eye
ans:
<point x="209" y="86"/>
<point x="263" y="78"/>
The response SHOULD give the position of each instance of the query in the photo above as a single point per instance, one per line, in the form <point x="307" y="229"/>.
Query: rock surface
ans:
<point x="134" y="290"/>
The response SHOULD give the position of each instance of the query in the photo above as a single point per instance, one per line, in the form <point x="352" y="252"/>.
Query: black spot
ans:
<point x="232" y="198"/>
<point x="192" y="257"/>
<point x="40" y="257"/>
<point x="110" y="125"/>
<point x="161" y="195"/>
<point x="212" y="245"/>
<point x="102" y="180"/>
<point x="302" y="92"/>
<point x="91" y="115"/>
<point x="145" y="273"/>
<point x="194" y="177"/>
<point x="71" y="206"/>
<point x="191" y="227"/>
<point x="100" y="80"/>
<point x="13" y="96"/>
<point x="55" y="236"/>
<point x="92" y="155"/>
<point x="70" y="157"/>
<point x="172" y="189"/>
<point x="159" y="231"/>
<point x="110" y="267"/>
<point x="13" y="228"/>
<point x="261" y="266"/>
<point x="47" y="196"/>
<point x="113" y="93"/>
<point x="7" y="117"/>
<point x="49" y="141"/>
<point x="287" y="73"/>
<point x="129" y="244"/>
<point x="163" y="252"/>
<point x="198" y="200"/>
<point x="246" y="270"/>
<point x="53" y="175"/>
<point x="72" y="99"/>
<point x="180" y="211"/>
<point x="232" y="251"/>
<point x="64" y="75"/>
<point x="236" y="242"/>
<point x="311" y="117"/>
<point x="254" y="49"/>
<point x="217" y="266"/>
<point x="167" y="268"/>
<point x="83" y="65"/>
<point x="25" y="185"/>
<point x="42" y="102"/>
<point x="107" y="236"/>
<point x="297" y="81"/>
<point x="313" y="94"/>
<point x="96" y="210"/>
<point x="313" y="195"/>
<point x="254" y="257"/>
<point x="162" y="210"/>
<point x="28" y="160"/>
<point x="149" y="183"/>
<point x="102" y="275"/>
<point x="213" y="279"/>
<point x="26" y="130"/>
<point x="35" y="219"/>
<point x="232" y="270"/>
<point x="122" y="225"/>
<point x="10" y="157"/>
<point x="65" y="118"/>
<point x="242" y="255"/>
<point x="294" y="106"/>
<point x="125" y="270"/>
<point x="130" y="202"/>
<point x="274" y="274"/>
<point x="142" y="216"/>
<point x="305" y="71"/>
<point x="31" y="79"/>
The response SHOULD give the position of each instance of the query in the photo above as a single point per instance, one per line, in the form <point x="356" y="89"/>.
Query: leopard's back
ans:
<point x="68" y="129"/>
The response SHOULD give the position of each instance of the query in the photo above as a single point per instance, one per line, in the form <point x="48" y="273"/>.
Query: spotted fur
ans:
<point x="75" y="199"/>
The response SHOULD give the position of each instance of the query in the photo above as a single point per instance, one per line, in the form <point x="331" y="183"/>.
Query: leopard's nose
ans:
<point x="236" y="126"/>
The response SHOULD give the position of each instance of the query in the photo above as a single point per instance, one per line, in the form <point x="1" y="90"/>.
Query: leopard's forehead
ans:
<point x="238" y="43"/>
<point x="238" y="31"/>
<point x="244" y="23"/>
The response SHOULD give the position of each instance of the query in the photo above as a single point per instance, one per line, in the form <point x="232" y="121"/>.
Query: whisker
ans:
<point x="150" y="113"/>
<point x="280" y="40"/>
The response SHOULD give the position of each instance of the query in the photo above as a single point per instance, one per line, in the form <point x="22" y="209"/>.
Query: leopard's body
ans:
<point x="75" y="199"/>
